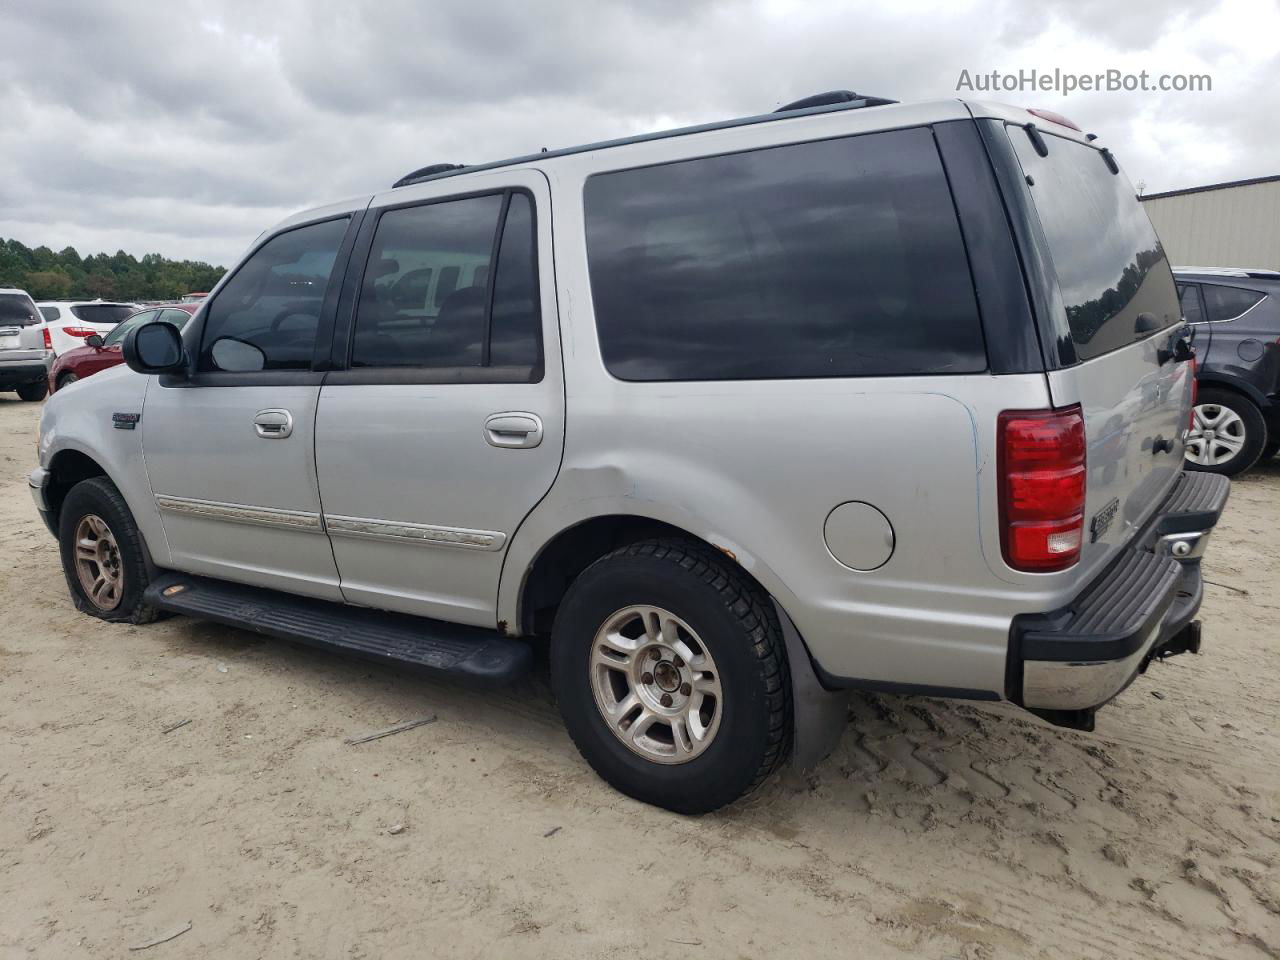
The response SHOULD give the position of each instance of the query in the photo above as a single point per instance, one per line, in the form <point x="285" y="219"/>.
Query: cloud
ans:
<point x="188" y="127"/>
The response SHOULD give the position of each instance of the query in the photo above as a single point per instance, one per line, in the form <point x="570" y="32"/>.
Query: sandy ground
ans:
<point x="936" y="830"/>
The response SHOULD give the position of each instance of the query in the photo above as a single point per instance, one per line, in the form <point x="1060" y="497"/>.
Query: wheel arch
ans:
<point x="553" y="566"/>
<point x="1213" y="378"/>
<point x="68" y="467"/>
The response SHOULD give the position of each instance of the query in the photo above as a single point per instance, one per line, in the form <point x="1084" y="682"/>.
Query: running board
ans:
<point x="428" y="646"/>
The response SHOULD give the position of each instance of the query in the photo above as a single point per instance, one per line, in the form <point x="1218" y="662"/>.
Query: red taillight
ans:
<point x="1042" y="487"/>
<point x="1052" y="117"/>
<point x="78" y="331"/>
<point x="48" y="340"/>
<point x="1195" y="392"/>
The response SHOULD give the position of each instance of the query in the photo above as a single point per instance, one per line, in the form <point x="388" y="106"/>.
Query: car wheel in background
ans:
<point x="671" y="673"/>
<point x="65" y="379"/>
<point x="31" y="392"/>
<point x="1227" y="433"/>
<point x="102" y="554"/>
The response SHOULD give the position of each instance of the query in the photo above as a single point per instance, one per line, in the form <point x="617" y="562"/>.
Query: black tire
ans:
<point x="99" y="497"/>
<point x="33" y="392"/>
<point x="1270" y="450"/>
<point x="65" y="379"/>
<point x="736" y="623"/>
<point x="1255" y="431"/>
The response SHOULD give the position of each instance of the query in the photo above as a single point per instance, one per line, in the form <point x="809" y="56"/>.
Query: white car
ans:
<point x="67" y="323"/>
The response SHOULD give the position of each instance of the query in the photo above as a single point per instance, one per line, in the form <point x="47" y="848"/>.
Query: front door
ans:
<point x="443" y="426"/>
<point x="230" y="449"/>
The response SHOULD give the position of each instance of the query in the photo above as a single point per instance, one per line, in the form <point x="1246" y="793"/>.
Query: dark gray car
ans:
<point x="1235" y="323"/>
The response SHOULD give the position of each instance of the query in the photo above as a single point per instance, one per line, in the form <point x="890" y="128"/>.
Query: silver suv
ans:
<point x="736" y="419"/>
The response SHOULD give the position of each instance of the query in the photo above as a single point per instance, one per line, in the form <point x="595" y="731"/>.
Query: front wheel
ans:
<point x="33" y="392"/>
<point x="102" y="554"/>
<point x="671" y="674"/>
<point x="1227" y="433"/>
<point x="65" y="379"/>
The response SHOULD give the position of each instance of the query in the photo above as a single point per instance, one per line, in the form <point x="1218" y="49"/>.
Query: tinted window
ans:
<point x="830" y="259"/>
<point x="124" y="326"/>
<point x="1109" y="262"/>
<point x="1227" y="303"/>
<point x="17" y="310"/>
<point x="178" y="318"/>
<point x="1189" y="300"/>
<point x="274" y="299"/>
<point x="102" y="312"/>
<point x="50" y="313"/>
<point x="425" y="297"/>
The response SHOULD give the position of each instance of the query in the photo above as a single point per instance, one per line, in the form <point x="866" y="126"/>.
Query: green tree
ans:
<point x="66" y="275"/>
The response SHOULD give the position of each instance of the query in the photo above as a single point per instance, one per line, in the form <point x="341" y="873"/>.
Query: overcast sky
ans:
<point x="186" y="128"/>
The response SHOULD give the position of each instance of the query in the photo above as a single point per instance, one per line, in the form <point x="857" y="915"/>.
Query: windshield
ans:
<point x="102" y="312"/>
<point x="1111" y="267"/>
<point x="178" y="318"/>
<point x="17" y="310"/>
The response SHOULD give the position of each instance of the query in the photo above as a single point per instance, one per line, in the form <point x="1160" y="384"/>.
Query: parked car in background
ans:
<point x="23" y="359"/>
<point x="193" y="297"/>
<point x="1235" y="323"/>
<point x="66" y="324"/>
<point x="100" y="352"/>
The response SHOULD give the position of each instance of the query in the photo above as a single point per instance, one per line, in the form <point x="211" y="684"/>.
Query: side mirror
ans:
<point x="93" y="340"/>
<point x="154" y="348"/>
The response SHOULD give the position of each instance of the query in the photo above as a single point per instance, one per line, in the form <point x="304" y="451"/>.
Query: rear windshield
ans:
<point x="17" y="310"/>
<point x="102" y="312"/>
<point x="1111" y="267"/>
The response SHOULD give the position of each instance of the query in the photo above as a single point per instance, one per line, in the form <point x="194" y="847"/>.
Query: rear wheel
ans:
<point x="1227" y="433"/>
<point x="670" y="670"/>
<point x="102" y="554"/>
<point x="31" y="392"/>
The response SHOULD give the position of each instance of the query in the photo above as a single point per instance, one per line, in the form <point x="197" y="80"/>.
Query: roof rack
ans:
<point x="818" y="103"/>
<point x="1255" y="273"/>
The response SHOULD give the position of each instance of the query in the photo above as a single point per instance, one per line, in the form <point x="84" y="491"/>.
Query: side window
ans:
<point x="50" y="313"/>
<point x="124" y="326"/>
<point x="431" y="298"/>
<point x="1226" y="303"/>
<point x="273" y="301"/>
<point x="1189" y="300"/>
<point x="178" y="318"/>
<point x="836" y="258"/>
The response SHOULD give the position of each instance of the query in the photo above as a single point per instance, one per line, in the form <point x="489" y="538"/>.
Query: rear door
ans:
<point x="443" y="426"/>
<point x="1117" y="318"/>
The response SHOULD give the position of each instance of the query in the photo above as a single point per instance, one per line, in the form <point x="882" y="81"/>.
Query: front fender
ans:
<point x="81" y="418"/>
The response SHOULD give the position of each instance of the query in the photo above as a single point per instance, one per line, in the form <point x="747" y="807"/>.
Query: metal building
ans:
<point x="1234" y="224"/>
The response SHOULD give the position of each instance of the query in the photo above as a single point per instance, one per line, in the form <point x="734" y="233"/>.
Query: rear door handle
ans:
<point x="273" y="424"/>
<point x="513" y="430"/>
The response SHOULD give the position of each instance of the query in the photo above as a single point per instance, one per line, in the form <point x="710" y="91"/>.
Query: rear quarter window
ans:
<point x="1226" y="303"/>
<point x="836" y="258"/>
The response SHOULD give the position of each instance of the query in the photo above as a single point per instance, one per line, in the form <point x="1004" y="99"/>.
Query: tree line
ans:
<point x="120" y="276"/>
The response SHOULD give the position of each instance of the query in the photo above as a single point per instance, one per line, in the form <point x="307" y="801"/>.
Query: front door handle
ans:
<point x="513" y="430"/>
<point x="273" y="424"/>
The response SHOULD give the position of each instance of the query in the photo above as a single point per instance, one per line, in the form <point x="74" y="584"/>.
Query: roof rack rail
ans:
<point x="833" y="96"/>
<point x="430" y="170"/>
<point x="830" y="102"/>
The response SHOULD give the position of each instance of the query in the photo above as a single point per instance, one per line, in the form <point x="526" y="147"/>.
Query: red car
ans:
<point x="99" y="353"/>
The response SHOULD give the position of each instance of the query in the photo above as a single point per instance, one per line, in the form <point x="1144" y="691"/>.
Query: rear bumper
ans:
<point x="16" y="373"/>
<point x="1076" y="658"/>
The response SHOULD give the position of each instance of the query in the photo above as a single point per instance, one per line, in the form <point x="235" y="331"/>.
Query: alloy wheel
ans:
<point x="656" y="684"/>
<point x="1217" y="435"/>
